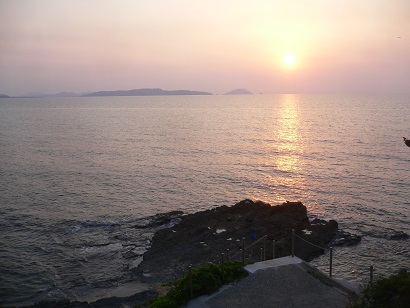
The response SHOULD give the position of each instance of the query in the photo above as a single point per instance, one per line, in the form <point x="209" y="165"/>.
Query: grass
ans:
<point x="205" y="280"/>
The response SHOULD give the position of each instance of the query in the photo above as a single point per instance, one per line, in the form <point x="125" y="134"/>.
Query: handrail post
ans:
<point x="243" y="250"/>
<point x="223" y="267"/>
<point x="190" y="282"/>
<point x="273" y="249"/>
<point x="264" y="249"/>
<point x="331" y="261"/>
<point x="227" y="255"/>
<point x="261" y="253"/>
<point x="293" y="242"/>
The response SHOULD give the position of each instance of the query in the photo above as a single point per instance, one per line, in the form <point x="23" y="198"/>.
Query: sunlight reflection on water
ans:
<point x="288" y="139"/>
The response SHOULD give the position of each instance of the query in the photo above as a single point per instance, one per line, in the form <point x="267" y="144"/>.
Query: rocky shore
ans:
<point x="196" y="239"/>
<point x="202" y="237"/>
<point x="102" y="303"/>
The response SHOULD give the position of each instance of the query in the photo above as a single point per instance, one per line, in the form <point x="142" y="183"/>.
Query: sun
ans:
<point x="289" y="60"/>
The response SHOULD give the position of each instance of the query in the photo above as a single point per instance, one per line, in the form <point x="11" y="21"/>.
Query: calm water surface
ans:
<point x="78" y="174"/>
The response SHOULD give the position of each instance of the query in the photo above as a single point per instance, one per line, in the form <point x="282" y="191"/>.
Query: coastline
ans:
<point x="198" y="238"/>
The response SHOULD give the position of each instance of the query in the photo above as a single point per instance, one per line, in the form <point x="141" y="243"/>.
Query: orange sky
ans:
<point x="216" y="46"/>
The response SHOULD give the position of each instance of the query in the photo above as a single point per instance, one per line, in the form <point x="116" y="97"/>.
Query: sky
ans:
<point x="272" y="46"/>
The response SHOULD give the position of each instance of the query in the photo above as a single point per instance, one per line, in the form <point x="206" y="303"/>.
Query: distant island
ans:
<point x="146" y="92"/>
<point x="66" y="94"/>
<point x="133" y="92"/>
<point x="239" y="91"/>
<point x="52" y="95"/>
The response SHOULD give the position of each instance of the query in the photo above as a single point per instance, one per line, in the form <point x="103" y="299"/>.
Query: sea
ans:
<point x="81" y="178"/>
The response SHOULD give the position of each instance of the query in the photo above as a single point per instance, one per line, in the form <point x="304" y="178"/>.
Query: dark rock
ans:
<point x="200" y="237"/>
<point x="398" y="235"/>
<point x="129" y="255"/>
<point x="60" y="304"/>
<point x="343" y="238"/>
<point x="130" y="301"/>
<point x="124" y="301"/>
<point x="160" y="220"/>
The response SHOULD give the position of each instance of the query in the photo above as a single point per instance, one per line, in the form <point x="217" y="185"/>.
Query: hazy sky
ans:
<point x="272" y="46"/>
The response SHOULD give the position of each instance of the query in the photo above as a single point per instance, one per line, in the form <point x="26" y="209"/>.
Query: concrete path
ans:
<point x="283" y="282"/>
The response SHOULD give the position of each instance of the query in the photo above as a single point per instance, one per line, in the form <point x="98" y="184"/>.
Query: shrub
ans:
<point x="163" y="302"/>
<point x="393" y="292"/>
<point x="205" y="280"/>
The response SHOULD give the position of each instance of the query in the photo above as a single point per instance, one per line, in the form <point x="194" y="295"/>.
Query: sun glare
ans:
<point x="289" y="60"/>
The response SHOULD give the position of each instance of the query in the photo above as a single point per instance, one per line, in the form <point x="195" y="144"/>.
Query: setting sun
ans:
<point x="289" y="60"/>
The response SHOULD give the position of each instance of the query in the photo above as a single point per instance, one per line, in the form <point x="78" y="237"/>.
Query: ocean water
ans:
<point x="81" y="177"/>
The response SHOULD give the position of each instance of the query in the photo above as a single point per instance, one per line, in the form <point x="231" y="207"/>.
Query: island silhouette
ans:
<point x="239" y="91"/>
<point x="146" y="92"/>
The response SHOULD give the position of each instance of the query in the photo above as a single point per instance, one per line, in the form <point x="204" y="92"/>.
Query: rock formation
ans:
<point x="202" y="237"/>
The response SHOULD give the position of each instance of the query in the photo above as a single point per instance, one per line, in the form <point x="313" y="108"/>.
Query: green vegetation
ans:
<point x="393" y="292"/>
<point x="205" y="280"/>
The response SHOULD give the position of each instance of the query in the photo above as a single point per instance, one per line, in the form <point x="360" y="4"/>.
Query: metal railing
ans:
<point x="251" y="252"/>
<point x="246" y="253"/>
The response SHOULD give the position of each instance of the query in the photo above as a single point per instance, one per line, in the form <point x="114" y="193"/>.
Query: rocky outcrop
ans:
<point x="343" y="238"/>
<point x="398" y="235"/>
<point x="202" y="237"/>
<point x="130" y="301"/>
